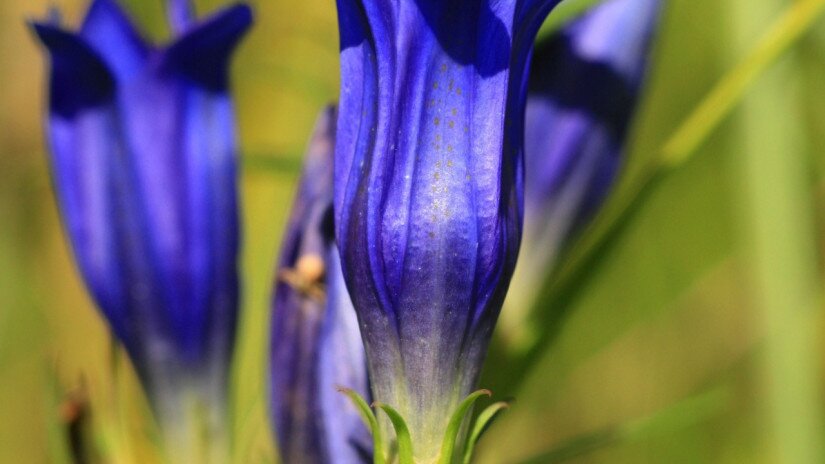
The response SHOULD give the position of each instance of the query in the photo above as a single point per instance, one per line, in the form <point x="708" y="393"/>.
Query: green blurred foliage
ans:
<point x="667" y="347"/>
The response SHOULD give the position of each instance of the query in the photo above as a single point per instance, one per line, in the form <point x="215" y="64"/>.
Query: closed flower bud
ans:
<point x="143" y="158"/>
<point x="316" y="347"/>
<point x="428" y="190"/>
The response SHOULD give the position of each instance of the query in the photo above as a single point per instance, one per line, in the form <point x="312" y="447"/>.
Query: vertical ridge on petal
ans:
<point x="112" y="34"/>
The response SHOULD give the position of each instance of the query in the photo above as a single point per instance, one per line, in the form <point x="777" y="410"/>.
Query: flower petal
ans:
<point x="79" y="78"/>
<point x="202" y="54"/>
<point x="180" y="130"/>
<point x="95" y="189"/>
<point x="110" y="32"/>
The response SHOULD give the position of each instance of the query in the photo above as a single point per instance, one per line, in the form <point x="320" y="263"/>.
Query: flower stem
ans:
<point x="194" y="430"/>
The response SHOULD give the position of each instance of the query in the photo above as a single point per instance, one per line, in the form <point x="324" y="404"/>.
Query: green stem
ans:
<point x="781" y="228"/>
<point x="448" y="454"/>
<point x="193" y="430"/>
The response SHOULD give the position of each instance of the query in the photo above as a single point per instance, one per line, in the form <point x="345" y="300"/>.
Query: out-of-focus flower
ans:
<point x="428" y="189"/>
<point x="584" y="86"/>
<point x="143" y="161"/>
<point x="315" y="345"/>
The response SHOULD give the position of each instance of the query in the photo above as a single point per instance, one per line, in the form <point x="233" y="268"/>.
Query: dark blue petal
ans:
<point x="315" y="341"/>
<point x="202" y="54"/>
<point x="79" y="78"/>
<point x="110" y="32"/>
<point x="428" y="188"/>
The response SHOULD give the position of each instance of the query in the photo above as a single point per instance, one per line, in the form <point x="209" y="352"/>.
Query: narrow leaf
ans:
<point x="448" y="445"/>
<point x="484" y="420"/>
<point x="371" y="422"/>
<point x="402" y="434"/>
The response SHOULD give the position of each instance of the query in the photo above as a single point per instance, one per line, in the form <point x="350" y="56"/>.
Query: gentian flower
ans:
<point x="315" y="345"/>
<point x="584" y="86"/>
<point x="143" y="160"/>
<point x="428" y="190"/>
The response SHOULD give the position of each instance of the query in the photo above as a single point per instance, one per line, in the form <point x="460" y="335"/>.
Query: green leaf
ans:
<point x="482" y="423"/>
<point x="402" y="433"/>
<point x="370" y="421"/>
<point x="453" y="427"/>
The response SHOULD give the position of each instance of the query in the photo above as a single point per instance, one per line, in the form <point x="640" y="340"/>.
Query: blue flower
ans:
<point x="584" y="86"/>
<point x="428" y="189"/>
<point x="144" y="165"/>
<point x="316" y="345"/>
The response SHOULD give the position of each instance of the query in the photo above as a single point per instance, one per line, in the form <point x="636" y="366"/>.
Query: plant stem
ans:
<point x="782" y="250"/>
<point x="194" y="429"/>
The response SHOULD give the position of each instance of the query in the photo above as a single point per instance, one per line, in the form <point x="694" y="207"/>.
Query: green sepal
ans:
<point x="402" y="433"/>
<point x="451" y="434"/>
<point x="485" y="418"/>
<point x="370" y="420"/>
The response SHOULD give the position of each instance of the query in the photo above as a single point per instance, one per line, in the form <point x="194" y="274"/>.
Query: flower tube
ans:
<point x="584" y="87"/>
<point x="428" y="190"/>
<point x="143" y="159"/>
<point x="315" y="346"/>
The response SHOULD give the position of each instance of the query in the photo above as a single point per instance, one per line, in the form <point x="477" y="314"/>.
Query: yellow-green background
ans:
<point x="693" y="336"/>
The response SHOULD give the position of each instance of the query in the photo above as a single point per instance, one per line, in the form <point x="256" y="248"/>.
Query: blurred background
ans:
<point x="684" y="325"/>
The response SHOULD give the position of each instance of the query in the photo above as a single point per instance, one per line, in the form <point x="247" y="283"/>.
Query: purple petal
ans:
<point x="202" y="54"/>
<point x="95" y="189"/>
<point x="110" y="32"/>
<point x="180" y="130"/>
<point x="183" y="155"/>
